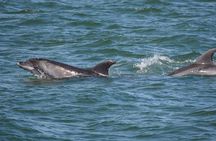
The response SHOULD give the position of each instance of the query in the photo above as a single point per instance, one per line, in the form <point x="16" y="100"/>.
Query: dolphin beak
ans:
<point x="25" y="66"/>
<point x="18" y="64"/>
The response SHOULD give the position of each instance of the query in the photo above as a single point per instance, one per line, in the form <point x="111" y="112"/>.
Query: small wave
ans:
<point x="155" y="60"/>
<point x="34" y="22"/>
<point x="23" y="11"/>
<point x="186" y="61"/>
<point x="86" y="23"/>
<point x="147" y="10"/>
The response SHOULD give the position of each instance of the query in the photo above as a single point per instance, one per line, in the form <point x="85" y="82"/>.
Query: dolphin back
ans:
<point x="202" y="66"/>
<point x="207" y="57"/>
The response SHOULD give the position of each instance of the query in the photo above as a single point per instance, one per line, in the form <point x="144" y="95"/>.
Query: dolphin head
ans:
<point x="32" y="65"/>
<point x="27" y="65"/>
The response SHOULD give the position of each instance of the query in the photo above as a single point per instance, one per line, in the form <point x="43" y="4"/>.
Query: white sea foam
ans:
<point x="145" y="63"/>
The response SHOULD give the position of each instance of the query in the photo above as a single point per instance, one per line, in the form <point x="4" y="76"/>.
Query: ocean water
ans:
<point x="138" y="101"/>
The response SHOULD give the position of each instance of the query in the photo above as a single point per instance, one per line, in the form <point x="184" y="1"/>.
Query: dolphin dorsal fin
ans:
<point x="207" y="57"/>
<point x="103" y="68"/>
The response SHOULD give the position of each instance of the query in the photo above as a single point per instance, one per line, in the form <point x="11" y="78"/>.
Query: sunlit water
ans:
<point x="138" y="101"/>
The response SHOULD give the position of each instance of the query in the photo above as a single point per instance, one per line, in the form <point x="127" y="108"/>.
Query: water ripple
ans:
<point x="138" y="101"/>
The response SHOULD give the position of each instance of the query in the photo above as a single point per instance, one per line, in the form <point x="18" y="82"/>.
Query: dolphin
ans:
<point x="203" y="65"/>
<point x="49" y="69"/>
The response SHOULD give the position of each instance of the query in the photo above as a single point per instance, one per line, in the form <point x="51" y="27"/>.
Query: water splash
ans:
<point x="146" y="63"/>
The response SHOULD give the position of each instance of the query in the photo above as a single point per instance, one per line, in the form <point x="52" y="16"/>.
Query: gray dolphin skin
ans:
<point x="203" y="65"/>
<point x="48" y="69"/>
